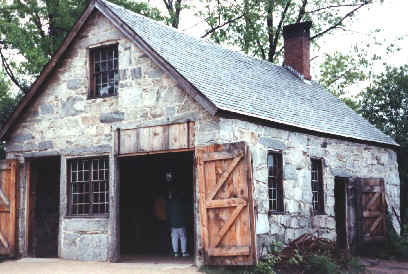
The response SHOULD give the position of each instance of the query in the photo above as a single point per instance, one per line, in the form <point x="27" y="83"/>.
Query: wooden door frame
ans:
<point x="194" y="182"/>
<point x="28" y="204"/>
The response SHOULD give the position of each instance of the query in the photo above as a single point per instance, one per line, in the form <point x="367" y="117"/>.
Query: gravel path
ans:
<point x="60" y="266"/>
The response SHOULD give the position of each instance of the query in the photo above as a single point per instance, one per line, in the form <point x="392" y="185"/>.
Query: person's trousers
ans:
<point x="176" y="234"/>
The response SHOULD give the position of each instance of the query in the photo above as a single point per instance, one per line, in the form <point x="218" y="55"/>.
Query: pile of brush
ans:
<point x="301" y="253"/>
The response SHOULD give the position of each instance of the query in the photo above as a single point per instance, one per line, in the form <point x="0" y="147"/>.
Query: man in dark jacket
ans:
<point x="176" y="214"/>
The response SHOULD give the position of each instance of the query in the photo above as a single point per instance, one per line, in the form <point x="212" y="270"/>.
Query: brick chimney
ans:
<point x="297" y="47"/>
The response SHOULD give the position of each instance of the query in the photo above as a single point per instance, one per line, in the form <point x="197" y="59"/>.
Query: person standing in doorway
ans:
<point x="176" y="214"/>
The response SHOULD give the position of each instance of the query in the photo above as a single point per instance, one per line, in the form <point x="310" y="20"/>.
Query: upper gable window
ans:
<point x="104" y="72"/>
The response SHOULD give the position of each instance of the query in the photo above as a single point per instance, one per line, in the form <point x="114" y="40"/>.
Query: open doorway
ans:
<point x="143" y="191"/>
<point x="340" y="211"/>
<point x="44" y="191"/>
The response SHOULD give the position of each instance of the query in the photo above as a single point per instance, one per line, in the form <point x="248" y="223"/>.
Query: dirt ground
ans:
<point x="149" y="265"/>
<point x="60" y="266"/>
<point x="377" y="266"/>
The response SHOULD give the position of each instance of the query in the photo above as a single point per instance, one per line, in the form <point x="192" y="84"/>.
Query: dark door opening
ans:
<point x="44" y="207"/>
<point x="340" y="212"/>
<point x="143" y="197"/>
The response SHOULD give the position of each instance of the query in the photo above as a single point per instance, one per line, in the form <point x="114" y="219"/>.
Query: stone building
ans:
<point x="262" y="152"/>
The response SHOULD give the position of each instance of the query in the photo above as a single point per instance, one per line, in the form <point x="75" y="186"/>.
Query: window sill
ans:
<point x="273" y="212"/>
<point x="101" y="97"/>
<point x="87" y="217"/>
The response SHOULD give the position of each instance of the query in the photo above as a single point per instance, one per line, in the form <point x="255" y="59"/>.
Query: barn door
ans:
<point x="373" y="209"/>
<point x="226" y="204"/>
<point x="8" y="172"/>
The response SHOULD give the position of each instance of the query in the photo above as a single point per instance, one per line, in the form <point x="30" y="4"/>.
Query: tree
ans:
<point x="8" y="102"/>
<point x="255" y="26"/>
<point x="35" y="29"/>
<point x="385" y="104"/>
<point x="347" y="73"/>
<point x="174" y="8"/>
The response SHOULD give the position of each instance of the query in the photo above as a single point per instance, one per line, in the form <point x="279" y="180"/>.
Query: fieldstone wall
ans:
<point x="63" y="121"/>
<point x="84" y="239"/>
<point x="340" y="158"/>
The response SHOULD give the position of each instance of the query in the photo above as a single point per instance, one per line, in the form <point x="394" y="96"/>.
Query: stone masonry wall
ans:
<point x="62" y="121"/>
<point x="340" y="158"/>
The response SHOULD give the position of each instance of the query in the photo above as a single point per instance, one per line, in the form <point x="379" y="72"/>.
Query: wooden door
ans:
<point x="8" y="173"/>
<point x="373" y="209"/>
<point x="226" y="204"/>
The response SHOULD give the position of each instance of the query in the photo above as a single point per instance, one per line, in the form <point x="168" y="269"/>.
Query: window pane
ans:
<point x="88" y="194"/>
<point x="317" y="186"/>
<point x="105" y="74"/>
<point x="275" y="192"/>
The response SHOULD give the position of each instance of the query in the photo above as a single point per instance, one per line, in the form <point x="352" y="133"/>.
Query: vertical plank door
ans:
<point x="226" y="204"/>
<point x="373" y="209"/>
<point x="8" y="173"/>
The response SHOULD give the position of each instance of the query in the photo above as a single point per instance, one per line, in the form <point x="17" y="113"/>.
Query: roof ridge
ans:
<point x="202" y="40"/>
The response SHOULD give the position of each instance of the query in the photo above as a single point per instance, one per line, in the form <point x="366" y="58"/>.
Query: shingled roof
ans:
<point x="240" y="84"/>
<point x="237" y="83"/>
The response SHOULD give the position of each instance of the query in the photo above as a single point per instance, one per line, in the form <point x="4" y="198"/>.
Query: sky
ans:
<point x="390" y="16"/>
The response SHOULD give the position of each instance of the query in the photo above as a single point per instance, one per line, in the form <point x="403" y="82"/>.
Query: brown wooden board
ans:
<point x="373" y="209"/>
<point x="8" y="173"/>
<point x="157" y="138"/>
<point x="226" y="204"/>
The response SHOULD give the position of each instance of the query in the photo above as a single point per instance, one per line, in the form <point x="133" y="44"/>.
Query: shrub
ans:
<point x="321" y="264"/>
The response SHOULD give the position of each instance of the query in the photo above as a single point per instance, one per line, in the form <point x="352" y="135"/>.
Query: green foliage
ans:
<point x="321" y="264"/>
<point x="8" y="102"/>
<point x="297" y="258"/>
<point x="268" y="264"/>
<point x="340" y="71"/>
<point x="347" y="72"/>
<point x="385" y="103"/>
<point x="355" y="266"/>
<point x="255" y="26"/>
